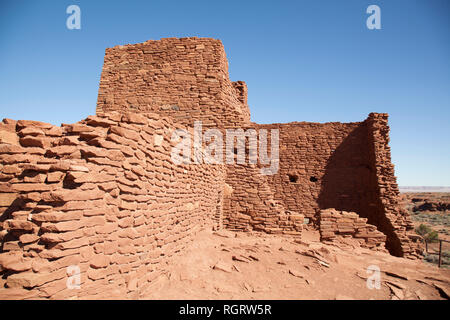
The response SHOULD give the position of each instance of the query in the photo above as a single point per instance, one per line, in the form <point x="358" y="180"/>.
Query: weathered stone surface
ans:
<point x="9" y="137"/>
<point x="28" y="238"/>
<point x="30" y="141"/>
<point x="99" y="261"/>
<point x="18" y="225"/>
<point x="30" y="280"/>
<point x="14" y="262"/>
<point x="6" y="199"/>
<point x="61" y="226"/>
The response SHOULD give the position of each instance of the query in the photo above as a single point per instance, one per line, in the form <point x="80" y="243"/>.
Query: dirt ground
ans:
<point x="237" y="265"/>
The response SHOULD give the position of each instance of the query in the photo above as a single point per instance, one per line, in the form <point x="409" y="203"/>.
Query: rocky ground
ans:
<point x="229" y="265"/>
<point x="431" y="202"/>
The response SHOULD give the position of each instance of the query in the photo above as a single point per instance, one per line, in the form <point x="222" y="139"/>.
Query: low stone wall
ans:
<point x="249" y="204"/>
<point x="101" y="197"/>
<point x="333" y="223"/>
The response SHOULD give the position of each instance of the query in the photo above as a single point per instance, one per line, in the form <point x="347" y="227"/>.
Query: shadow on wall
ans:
<point x="8" y="214"/>
<point x="350" y="184"/>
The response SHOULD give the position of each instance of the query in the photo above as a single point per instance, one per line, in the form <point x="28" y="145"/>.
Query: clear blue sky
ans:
<point x="302" y="61"/>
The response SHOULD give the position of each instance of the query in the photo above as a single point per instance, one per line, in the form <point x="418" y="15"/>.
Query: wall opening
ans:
<point x="313" y="179"/>
<point x="293" y="178"/>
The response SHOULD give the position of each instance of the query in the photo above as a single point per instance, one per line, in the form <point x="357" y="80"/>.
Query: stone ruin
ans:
<point x="104" y="195"/>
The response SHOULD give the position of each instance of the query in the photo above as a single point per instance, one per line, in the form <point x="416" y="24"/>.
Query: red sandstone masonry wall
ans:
<point x="101" y="194"/>
<point x="249" y="204"/>
<point x="346" y="166"/>
<point x="385" y="208"/>
<point x="186" y="79"/>
<point x="335" y="165"/>
<point x="333" y="155"/>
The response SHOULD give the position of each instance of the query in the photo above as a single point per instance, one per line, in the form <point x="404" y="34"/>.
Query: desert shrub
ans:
<point x="423" y="230"/>
<point x="427" y="233"/>
<point x="433" y="236"/>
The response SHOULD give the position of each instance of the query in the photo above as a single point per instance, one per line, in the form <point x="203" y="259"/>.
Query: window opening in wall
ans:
<point x="293" y="178"/>
<point x="313" y="179"/>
